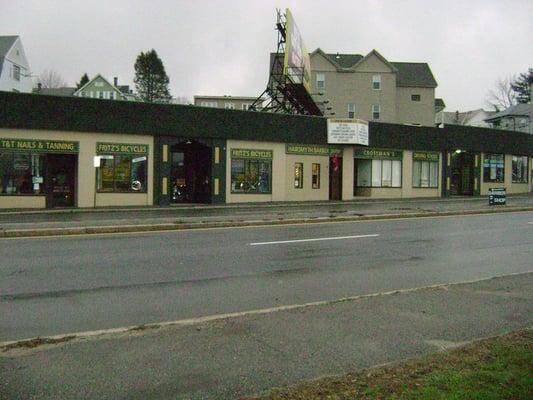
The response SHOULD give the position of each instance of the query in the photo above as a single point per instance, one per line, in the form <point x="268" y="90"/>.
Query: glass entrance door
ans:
<point x="60" y="180"/>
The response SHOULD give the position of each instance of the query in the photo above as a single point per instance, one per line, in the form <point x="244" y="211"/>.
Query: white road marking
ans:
<point x="314" y="240"/>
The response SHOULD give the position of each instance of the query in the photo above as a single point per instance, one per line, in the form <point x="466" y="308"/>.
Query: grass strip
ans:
<point x="489" y="369"/>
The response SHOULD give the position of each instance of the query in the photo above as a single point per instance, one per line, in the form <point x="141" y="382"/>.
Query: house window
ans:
<point x="251" y="171"/>
<point x="376" y="110"/>
<point x="316" y="176"/>
<point x="99" y="84"/>
<point x="520" y="169"/>
<point x="351" y="110"/>
<point x="425" y="174"/>
<point x="229" y="106"/>
<point x="493" y="168"/>
<point x="246" y="106"/>
<point x="101" y="96"/>
<point x="16" y="72"/>
<point x="298" y="175"/>
<point x="212" y="104"/>
<point x="112" y="95"/>
<point x="122" y="173"/>
<point x="415" y="97"/>
<point x="320" y="82"/>
<point x="376" y="82"/>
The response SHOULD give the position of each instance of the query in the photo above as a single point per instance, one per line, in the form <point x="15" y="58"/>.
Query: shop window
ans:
<point x="493" y="168"/>
<point x="122" y="173"/>
<point x="425" y="174"/>
<point x="21" y="173"/>
<point x="316" y="176"/>
<point x="298" y="175"/>
<point x="251" y="176"/>
<point x="520" y="169"/>
<point x="379" y="173"/>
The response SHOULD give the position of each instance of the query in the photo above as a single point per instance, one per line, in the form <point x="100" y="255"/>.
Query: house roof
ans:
<point x="518" y="110"/>
<point x="463" y="118"/>
<point x="439" y="104"/>
<point x="62" y="91"/>
<point x="414" y="74"/>
<point x="95" y="78"/>
<point x="6" y="42"/>
<point x="345" y="60"/>
<point x="409" y="73"/>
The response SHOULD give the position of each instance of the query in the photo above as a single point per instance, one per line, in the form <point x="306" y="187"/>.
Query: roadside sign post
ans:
<point x="497" y="196"/>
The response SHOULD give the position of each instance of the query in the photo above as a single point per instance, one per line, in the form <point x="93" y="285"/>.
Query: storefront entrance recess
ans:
<point x="60" y="180"/>
<point x="462" y="174"/>
<point x="335" y="177"/>
<point x="190" y="173"/>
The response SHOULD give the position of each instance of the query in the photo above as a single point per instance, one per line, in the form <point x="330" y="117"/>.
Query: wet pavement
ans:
<point x="250" y="354"/>
<point x="245" y="212"/>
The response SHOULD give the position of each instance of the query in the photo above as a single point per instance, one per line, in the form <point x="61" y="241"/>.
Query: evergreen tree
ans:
<point x="84" y="79"/>
<point x="522" y="86"/>
<point x="151" y="80"/>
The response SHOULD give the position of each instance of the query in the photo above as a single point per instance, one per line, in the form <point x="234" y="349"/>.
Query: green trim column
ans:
<point x="218" y="171"/>
<point x="477" y="174"/>
<point x="446" y="173"/>
<point x="161" y="170"/>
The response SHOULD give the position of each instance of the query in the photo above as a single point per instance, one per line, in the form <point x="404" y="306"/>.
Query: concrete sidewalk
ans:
<point x="87" y="221"/>
<point x="248" y="354"/>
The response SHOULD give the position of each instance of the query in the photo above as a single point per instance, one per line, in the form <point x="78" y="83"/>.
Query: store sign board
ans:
<point x="121" y="148"/>
<point x="425" y="156"/>
<point x="348" y="131"/>
<point x="312" y="150"/>
<point x="384" y="154"/>
<point x="251" y="153"/>
<point x="39" y="146"/>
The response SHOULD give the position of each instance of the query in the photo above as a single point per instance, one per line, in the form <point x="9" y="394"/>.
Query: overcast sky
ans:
<point x="221" y="47"/>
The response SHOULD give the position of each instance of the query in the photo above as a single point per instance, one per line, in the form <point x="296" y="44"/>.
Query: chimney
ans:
<point x="115" y="81"/>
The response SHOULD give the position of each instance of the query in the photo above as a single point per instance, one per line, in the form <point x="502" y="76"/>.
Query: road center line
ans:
<point x="314" y="239"/>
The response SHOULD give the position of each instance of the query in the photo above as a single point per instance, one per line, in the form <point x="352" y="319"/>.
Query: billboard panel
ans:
<point x="297" y="64"/>
<point x="347" y="131"/>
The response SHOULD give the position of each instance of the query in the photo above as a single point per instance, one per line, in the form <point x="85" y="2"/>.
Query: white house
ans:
<point x="14" y="67"/>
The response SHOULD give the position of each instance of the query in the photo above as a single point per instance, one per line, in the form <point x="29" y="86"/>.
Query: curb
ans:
<point x="140" y="329"/>
<point x="178" y="226"/>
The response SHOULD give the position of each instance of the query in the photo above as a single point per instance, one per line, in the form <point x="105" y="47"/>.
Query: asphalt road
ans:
<point x="246" y="355"/>
<point x="71" y="284"/>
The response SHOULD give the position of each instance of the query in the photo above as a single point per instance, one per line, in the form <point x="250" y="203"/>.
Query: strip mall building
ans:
<point x="76" y="152"/>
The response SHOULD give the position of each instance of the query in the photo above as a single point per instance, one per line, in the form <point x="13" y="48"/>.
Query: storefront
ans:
<point x="42" y="169"/>
<point x="74" y="152"/>
<point x="38" y="173"/>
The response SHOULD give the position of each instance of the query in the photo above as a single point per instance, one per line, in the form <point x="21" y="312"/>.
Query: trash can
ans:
<point x="497" y="196"/>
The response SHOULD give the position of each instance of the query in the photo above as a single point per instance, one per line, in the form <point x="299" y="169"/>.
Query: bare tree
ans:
<point x="51" y="79"/>
<point x="502" y="96"/>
